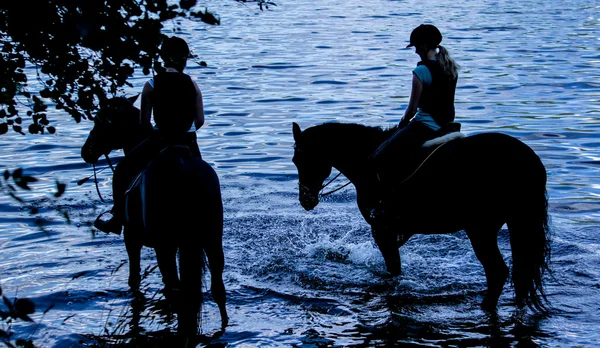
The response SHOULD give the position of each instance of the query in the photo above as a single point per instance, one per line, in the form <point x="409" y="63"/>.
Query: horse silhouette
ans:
<point x="174" y="207"/>
<point x="476" y="183"/>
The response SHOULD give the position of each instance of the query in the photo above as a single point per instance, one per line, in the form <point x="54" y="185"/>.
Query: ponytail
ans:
<point x="448" y="64"/>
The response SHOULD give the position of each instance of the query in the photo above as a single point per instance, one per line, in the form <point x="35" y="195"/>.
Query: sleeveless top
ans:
<point x="437" y="98"/>
<point x="173" y="103"/>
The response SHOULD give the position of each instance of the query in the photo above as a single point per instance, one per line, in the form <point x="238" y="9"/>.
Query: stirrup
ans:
<point x="109" y="226"/>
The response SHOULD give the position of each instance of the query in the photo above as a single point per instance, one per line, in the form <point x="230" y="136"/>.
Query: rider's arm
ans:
<point x="146" y="106"/>
<point x="413" y="103"/>
<point x="199" y="120"/>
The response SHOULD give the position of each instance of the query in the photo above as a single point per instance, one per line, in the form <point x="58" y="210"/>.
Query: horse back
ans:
<point x="480" y="157"/>
<point x="477" y="174"/>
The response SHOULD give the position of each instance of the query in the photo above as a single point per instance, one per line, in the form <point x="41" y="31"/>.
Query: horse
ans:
<point x="474" y="183"/>
<point x="174" y="207"/>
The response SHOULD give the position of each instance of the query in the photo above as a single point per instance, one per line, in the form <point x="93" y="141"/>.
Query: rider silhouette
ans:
<point x="431" y="107"/>
<point x="176" y="103"/>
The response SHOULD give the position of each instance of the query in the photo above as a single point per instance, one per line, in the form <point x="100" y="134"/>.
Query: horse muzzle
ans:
<point x="89" y="155"/>
<point x="309" y="198"/>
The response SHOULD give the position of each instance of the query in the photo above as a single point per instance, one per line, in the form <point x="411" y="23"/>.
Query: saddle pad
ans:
<point x="443" y="139"/>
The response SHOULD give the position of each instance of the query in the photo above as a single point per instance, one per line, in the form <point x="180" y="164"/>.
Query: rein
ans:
<point x="84" y="180"/>
<point x="422" y="163"/>
<point x="335" y="190"/>
<point x="406" y="179"/>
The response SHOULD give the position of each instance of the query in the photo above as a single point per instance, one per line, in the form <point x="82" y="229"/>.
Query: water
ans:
<point x="530" y="69"/>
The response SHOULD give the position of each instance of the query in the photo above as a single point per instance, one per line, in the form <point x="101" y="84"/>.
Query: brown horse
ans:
<point x="477" y="184"/>
<point x="175" y="207"/>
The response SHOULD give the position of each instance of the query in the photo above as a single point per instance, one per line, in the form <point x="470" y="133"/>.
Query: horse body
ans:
<point x="476" y="184"/>
<point x="174" y="207"/>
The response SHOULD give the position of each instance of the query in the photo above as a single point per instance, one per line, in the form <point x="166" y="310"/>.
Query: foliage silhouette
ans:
<point x="82" y="53"/>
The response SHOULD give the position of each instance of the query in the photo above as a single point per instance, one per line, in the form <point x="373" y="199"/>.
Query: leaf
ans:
<point x="187" y="4"/>
<point x="24" y="343"/>
<point x="18" y="129"/>
<point x="28" y="178"/>
<point x="60" y="189"/>
<point x="24" y="306"/>
<point x="22" y="183"/>
<point x="34" y="128"/>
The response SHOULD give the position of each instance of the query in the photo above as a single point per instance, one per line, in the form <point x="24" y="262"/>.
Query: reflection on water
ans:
<point x="530" y="69"/>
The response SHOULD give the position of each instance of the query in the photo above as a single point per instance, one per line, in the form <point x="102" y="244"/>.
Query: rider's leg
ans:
<point x="125" y="171"/>
<point x="389" y="161"/>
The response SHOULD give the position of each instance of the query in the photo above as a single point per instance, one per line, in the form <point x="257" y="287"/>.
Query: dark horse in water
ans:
<point x="175" y="207"/>
<point x="476" y="183"/>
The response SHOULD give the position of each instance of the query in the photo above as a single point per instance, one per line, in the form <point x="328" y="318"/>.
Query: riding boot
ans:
<point x="112" y="225"/>
<point x="115" y="223"/>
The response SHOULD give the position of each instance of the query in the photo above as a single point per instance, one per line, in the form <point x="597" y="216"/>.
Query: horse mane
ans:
<point x="354" y="138"/>
<point x="123" y="119"/>
<point x="120" y="110"/>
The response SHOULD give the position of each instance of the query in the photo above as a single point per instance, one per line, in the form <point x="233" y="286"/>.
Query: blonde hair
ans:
<point x="448" y="64"/>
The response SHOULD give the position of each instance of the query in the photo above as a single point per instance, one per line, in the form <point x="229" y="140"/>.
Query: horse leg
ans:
<point x="387" y="241"/>
<point x="134" y="250"/>
<point x="166" y="257"/>
<point x="191" y="266"/>
<point x="485" y="244"/>
<point x="216" y="263"/>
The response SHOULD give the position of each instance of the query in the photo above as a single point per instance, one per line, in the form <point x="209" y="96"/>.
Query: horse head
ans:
<point x="113" y="129"/>
<point x="312" y="167"/>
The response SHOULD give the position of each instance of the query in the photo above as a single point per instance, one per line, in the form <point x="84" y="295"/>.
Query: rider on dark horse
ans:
<point x="176" y="102"/>
<point x="430" y="109"/>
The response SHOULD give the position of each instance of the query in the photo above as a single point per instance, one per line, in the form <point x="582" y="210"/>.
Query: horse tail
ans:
<point x="529" y="228"/>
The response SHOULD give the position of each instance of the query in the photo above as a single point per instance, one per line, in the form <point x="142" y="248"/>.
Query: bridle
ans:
<point x="110" y="165"/>
<point x="334" y="190"/>
<point x="304" y="188"/>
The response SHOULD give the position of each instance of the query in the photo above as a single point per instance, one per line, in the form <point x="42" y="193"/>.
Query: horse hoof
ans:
<point x="489" y="305"/>
<point x="393" y="273"/>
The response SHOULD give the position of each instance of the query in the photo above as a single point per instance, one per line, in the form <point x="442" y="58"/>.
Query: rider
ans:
<point x="431" y="106"/>
<point x="176" y="102"/>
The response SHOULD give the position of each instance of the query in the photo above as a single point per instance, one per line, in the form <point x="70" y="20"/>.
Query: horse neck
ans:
<point x="134" y="137"/>
<point x="350" y="157"/>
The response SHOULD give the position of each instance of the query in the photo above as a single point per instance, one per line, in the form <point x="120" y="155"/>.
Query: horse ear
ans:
<point x="296" y="130"/>
<point x="134" y="98"/>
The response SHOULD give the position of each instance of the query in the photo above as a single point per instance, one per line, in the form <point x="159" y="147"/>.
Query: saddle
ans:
<point x="449" y="132"/>
<point x="183" y="150"/>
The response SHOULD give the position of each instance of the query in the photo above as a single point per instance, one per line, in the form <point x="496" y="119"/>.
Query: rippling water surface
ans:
<point x="530" y="69"/>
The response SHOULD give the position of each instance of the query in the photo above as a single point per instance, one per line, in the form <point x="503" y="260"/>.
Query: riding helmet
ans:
<point x="425" y="34"/>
